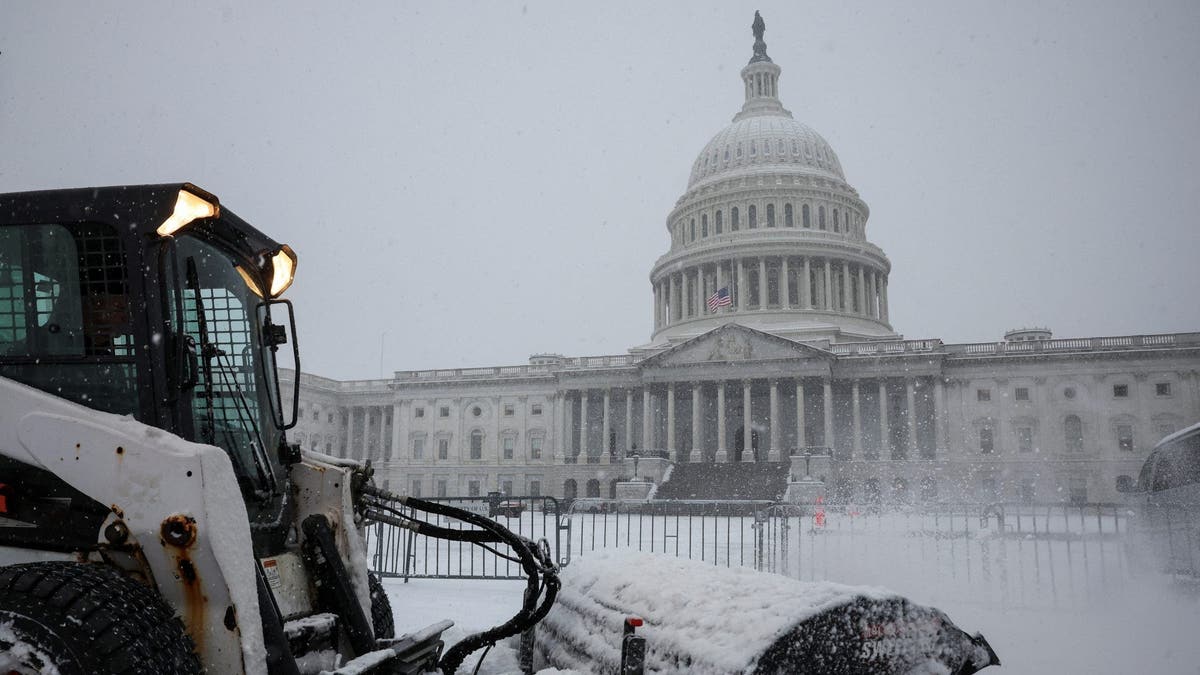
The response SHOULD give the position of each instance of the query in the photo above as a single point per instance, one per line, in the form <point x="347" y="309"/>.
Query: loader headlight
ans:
<point x="188" y="207"/>
<point x="283" y="270"/>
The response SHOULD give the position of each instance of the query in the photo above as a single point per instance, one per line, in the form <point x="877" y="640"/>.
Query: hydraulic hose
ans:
<point x="540" y="570"/>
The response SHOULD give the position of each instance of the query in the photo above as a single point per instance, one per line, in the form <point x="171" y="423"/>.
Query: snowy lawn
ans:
<point x="1148" y="632"/>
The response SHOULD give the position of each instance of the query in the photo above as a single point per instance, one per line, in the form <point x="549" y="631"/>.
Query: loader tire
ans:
<point x="87" y="618"/>
<point x="381" y="609"/>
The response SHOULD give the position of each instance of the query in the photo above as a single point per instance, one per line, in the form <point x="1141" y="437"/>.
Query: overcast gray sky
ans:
<point x="470" y="183"/>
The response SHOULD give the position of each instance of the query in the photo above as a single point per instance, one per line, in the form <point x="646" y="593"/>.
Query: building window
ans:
<point x="1162" y="389"/>
<point x="1125" y="437"/>
<point x="1077" y="490"/>
<point x="1069" y="393"/>
<point x="1166" y="429"/>
<point x="418" y="448"/>
<point x="929" y="490"/>
<point x="983" y="395"/>
<point x="988" y="490"/>
<point x="719" y="223"/>
<point x="1021" y="394"/>
<point x="508" y="444"/>
<point x="704" y="225"/>
<point x="753" y="148"/>
<point x="418" y="412"/>
<point x="1024" y="439"/>
<point x="535" y="409"/>
<point x="535" y="488"/>
<point x="316" y="416"/>
<point x="535" y="447"/>
<point x="443" y="448"/>
<point x="444" y="411"/>
<point x="1073" y="433"/>
<point x="509" y="410"/>
<point x="415" y="491"/>
<point x="476" y="444"/>
<point x="472" y="488"/>
<point x="1120" y="391"/>
<point x="835" y="221"/>
<point x="770" y="215"/>
<point x="739" y="150"/>
<point x="734" y="221"/>
<point x="1028" y="490"/>
<point x="506" y="487"/>
<point x="441" y="487"/>
<point x="476" y="411"/>
<point x="593" y="488"/>
<point x="752" y="216"/>
<point x="986" y="444"/>
<point x="330" y="418"/>
<point x="820" y="217"/>
<point x="805" y="216"/>
<point x="692" y="236"/>
<point x="788" y="219"/>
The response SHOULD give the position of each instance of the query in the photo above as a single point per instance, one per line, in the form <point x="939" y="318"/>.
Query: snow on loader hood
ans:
<point x="700" y="618"/>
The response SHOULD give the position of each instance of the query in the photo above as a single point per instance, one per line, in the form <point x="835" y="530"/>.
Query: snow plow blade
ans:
<point x="698" y="618"/>
<point x="414" y="653"/>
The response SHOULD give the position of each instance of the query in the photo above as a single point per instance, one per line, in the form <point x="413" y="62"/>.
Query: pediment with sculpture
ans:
<point x="734" y="343"/>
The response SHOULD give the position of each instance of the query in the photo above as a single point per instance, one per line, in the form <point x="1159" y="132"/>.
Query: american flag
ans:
<point x="719" y="299"/>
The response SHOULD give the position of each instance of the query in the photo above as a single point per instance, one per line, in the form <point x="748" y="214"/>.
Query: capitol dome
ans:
<point x="768" y="233"/>
<point x="765" y="142"/>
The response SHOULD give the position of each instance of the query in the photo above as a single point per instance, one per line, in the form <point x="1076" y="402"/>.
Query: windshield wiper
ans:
<point x="208" y="352"/>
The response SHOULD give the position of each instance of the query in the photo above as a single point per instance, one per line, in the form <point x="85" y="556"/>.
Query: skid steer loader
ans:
<point x="153" y="516"/>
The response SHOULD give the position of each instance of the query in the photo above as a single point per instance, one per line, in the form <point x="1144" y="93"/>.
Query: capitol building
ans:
<point x="772" y="346"/>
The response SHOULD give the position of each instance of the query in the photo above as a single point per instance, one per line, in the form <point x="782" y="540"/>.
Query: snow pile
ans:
<point x="16" y="653"/>
<point x="721" y="619"/>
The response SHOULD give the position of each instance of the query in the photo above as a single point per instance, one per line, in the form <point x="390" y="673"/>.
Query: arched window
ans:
<point x="733" y="219"/>
<point x="788" y="220"/>
<point x="704" y="225"/>
<point x="477" y="444"/>
<point x="570" y="489"/>
<point x="766" y="147"/>
<point x="593" y="488"/>
<point x="752" y="216"/>
<point x="836" y="221"/>
<point x="727" y="153"/>
<point x="900" y="491"/>
<point x="719" y="223"/>
<point x="739" y="151"/>
<point x="693" y="235"/>
<point x="1073" y="431"/>
<point x="846" y="222"/>
<point x="753" y="148"/>
<point x="805" y="216"/>
<point x="770" y="215"/>
<point x="820" y="217"/>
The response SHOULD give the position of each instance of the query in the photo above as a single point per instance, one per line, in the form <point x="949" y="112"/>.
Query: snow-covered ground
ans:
<point x="1148" y="630"/>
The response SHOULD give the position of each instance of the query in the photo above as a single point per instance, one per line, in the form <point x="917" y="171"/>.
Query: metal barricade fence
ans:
<point x="399" y="552"/>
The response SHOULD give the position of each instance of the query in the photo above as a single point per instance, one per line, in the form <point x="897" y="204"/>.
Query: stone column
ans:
<point x="773" y="453"/>
<point x="785" y="293"/>
<point x="801" y="436"/>
<point x="671" y="449"/>
<point x="746" y="417"/>
<point x="557" y="446"/>
<point x="762" y="283"/>
<point x="827" y="300"/>
<point x="872" y="304"/>
<point x="647" y="423"/>
<point x="722" y="451"/>
<point x="847" y="303"/>
<point x="720" y="276"/>
<point x="366" y="423"/>
<point x="828" y="393"/>
<point x="399" y="423"/>
<point x="741" y="286"/>
<point x="583" y="423"/>
<point x="884" y="301"/>
<point x="862" y="292"/>
<point x="654" y="310"/>
<point x="694" y="456"/>
<point x="939" y="414"/>
<point x="628" y="423"/>
<point x="805" y="291"/>
<point x="857" y="431"/>
<point x="606" y="426"/>
<point x="383" y="431"/>
<point x="911" y="413"/>
<point x="885" y="434"/>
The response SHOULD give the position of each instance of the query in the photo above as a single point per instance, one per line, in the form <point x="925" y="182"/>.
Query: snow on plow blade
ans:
<point x="704" y="619"/>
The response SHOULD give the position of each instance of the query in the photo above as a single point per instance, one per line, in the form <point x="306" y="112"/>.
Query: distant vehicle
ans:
<point x="1166" y="520"/>
<point x="499" y="506"/>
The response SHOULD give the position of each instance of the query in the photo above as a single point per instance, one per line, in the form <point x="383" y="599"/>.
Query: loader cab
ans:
<point x="157" y="303"/>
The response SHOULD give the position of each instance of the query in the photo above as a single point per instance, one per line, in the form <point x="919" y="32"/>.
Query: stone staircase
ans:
<point x="734" y="481"/>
